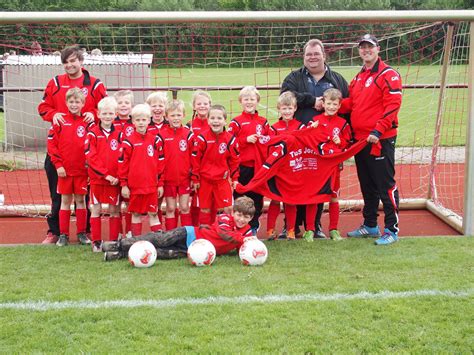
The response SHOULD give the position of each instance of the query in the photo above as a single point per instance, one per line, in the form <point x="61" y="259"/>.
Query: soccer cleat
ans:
<point x="290" y="235"/>
<point x="97" y="246"/>
<point x="335" y="235"/>
<point x="50" y="239"/>
<point x="387" y="238"/>
<point x="319" y="234"/>
<point x="364" y="232"/>
<point x="111" y="246"/>
<point x="271" y="234"/>
<point x="63" y="240"/>
<point x="82" y="238"/>
<point x="284" y="234"/>
<point x="113" y="255"/>
<point x="308" y="236"/>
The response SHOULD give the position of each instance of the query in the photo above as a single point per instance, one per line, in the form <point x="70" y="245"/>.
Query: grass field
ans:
<point x="308" y="298"/>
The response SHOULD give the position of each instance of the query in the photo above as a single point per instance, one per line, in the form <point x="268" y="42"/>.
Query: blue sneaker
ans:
<point x="387" y="238"/>
<point x="364" y="232"/>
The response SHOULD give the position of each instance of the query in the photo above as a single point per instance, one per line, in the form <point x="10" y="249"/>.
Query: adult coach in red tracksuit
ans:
<point x="52" y="109"/>
<point x="375" y="97"/>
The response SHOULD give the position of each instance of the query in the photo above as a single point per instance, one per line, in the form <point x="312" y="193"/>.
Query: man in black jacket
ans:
<point x="308" y="84"/>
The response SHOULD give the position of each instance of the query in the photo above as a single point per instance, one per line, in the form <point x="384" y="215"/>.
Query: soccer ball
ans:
<point x="253" y="252"/>
<point x="201" y="252"/>
<point x="142" y="254"/>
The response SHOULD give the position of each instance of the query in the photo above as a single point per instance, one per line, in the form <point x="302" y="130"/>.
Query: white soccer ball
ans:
<point x="142" y="254"/>
<point x="253" y="252"/>
<point x="201" y="252"/>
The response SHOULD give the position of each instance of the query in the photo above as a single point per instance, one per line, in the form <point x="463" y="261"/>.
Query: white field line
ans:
<point x="219" y="300"/>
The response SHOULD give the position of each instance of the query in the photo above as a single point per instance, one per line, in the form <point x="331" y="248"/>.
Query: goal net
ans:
<point x="432" y="58"/>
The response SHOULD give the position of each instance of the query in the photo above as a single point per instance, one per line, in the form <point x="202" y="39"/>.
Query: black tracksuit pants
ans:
<point x="246" y="174"/>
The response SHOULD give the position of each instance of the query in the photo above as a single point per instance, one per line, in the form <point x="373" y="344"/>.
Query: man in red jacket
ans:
<point x="53" y="109"/>
<point x="375" y="97"/>
<point x="228" y="233"/>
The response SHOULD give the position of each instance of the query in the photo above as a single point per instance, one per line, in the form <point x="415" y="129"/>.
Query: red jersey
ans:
<point x="375" y="97"/>
<point x="155" y="128"/>
<point x="243" y="126"/>
<point x="102" y="150"/>
<point x="177" y="146"/>
<point x="224" y="234"/>
<point x="125" y="126"/>
<point x="282" y="126"/>
<point x="66" y="144"/>
<point x="333" y="126"/>
<point x="198" y="125"/>
<point x="215" y="157"/>
<point x="54" y="98"/>
<point x="141" y="163"/>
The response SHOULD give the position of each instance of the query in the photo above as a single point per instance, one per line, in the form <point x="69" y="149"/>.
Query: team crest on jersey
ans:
<point x="222" y="148"/>
<point x="81" y="131"/>
<point x="264" y="139"/>
<point x="114" y="144"/>
<point x="368" y="82"/>
<point x="149" y="150"/>
<point x="259" y="129"/>
<point x="85" y="91"/>
<point x="336" y="131"/>
<point x="183" y="145"/>
<point x="128" y="131"/>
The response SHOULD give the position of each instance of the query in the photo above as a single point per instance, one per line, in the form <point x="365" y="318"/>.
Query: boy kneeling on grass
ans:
<point x="228" y="233"/>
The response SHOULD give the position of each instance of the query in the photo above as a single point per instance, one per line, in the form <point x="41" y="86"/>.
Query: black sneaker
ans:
<point x="283" y="235"/>
<point x="111" y="246"/>
<point x="63" y="240"/>
<point x="97" y="246"/>
<point x="113" y="255"/>
<point x="82" y="238"/>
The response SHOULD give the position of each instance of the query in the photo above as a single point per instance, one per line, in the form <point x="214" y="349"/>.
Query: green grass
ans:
<point x="416" y="120"/>
<point x="415" y="324"/>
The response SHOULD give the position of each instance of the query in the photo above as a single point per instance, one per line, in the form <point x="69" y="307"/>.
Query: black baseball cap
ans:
<point x="369" y="39"/>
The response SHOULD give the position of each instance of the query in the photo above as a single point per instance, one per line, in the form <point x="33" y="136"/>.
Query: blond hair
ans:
<point x="247" y="91"/>
<point x="107" y="102"/>
<point x="175" y="105"/>
<point x="75" y="93"/>
<point x="160" y="96"/>
<point x="124" y="93"/>
<point x="202" y="93"/>
<point x="244" y="205"/>
<point x="332" y="94"/>
<point x="141" y="110"/>
<point x="286" y="99"/>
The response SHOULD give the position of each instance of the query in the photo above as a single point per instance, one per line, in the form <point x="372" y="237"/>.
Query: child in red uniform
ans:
<point x="215" y="161"/>
<point x="198" y="125"/>
<point x="286" y="105"/>
<point x="123" y="123"/>
<point x="228" y="233"/>
<point x="248" y="127"/>
<point x="66" y="149"/>
<point x="177" y="140"/>
<point x="102" y="153"/>
<point x="339" y="132"/>
<point x="157" y="102"/>
<point x="140" y="169"/>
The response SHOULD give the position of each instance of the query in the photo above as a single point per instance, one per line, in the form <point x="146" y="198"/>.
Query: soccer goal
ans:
<point x="223" y="51"/>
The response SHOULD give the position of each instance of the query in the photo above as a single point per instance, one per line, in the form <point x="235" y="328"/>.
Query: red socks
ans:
<point x="186" y="219"/>
<point x="115" y="226"/>
<point x="333" y="215"/>
<point x="81" y="220"/>
<point x="170" y="223"/>
<point x="64" y="218"/>
<point x="196" y="215"/>
<point x="290" y="215"/>
<point x="272" y="214"/>
<point x="311" y="216"/>
<point x="136" y="229"/>
<point x="96" y="229"/>
<point x="128" y="222"/>
<point x="205" y="218"/>
<point x="156" y="228"/>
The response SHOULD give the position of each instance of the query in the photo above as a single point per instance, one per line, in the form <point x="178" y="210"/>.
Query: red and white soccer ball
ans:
<point x="142" y="254"/>
<point x="201" y="252"/>
<point x="253" y="252"/>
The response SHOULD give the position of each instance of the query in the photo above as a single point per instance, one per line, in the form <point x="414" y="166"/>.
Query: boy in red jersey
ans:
<point x="177" y="145"/>
<point x="140" y="169"/>
<point x="248" y="128"/>
<point x="66" y="149"/>
<point x="215" y="160"/>
<point x="102" y="152"/>
<point x="339" y="132"/>
<point x="286" y="105"/>
<point x="157" y="102"/>
<point x="228" y="233"/>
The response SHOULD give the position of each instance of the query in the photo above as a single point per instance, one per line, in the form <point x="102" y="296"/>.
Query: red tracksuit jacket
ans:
<point x="215" y="157"/>
<point x="66" y="144"/>
<point x="125" y="126"/>
<point x="141" y="163"/>
<point x="177" y="146"/>
<point x="224" y="234"/>
<point x="375" y="97"/>
<point x="54" y="98"/>
<point x="281" y="127"/>
<point x="156" y="128"/>
<point x="102" y="151"/>
<point x="198" y="125"/>
<point x="243" y="126"/>
<point x="333" y="126"/>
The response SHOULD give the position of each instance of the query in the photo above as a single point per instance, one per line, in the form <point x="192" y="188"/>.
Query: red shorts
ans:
<point x="337" y="183"/>
<point x="217" y="194"/>
<point x="173" y="190"/>
<point x="143" y="203"/>
<point x="72" y="185"/>
<point x="105" y="194"/>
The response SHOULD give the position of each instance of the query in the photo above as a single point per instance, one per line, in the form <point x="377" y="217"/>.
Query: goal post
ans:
<point x="223" y="51"/>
